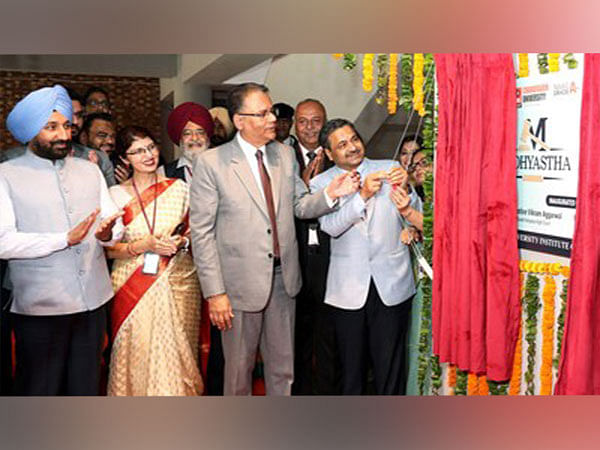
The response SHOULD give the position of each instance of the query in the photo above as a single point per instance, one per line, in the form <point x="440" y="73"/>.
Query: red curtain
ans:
<point x="579" y="371"/>
<point x="476" y="305"/>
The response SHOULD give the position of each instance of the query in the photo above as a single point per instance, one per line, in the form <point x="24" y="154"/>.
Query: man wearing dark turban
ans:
<point x="190" y="126"/>
<point x="60" y="280"/>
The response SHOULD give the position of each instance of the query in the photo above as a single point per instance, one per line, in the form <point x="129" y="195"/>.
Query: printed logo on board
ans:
<point x="535" y="157"/>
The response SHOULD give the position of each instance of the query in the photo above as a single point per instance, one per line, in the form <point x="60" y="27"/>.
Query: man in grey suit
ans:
<point x="244" y="196"/>
<point x="370" y="281"/>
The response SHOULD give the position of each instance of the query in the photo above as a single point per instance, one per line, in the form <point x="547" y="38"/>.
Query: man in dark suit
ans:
<point x="317" y="370"/>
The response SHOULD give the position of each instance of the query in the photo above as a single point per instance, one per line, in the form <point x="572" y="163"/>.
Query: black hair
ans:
<point x="330" y="127"/>
<point x="412" y="137"/>
<point x="128" y="134"/>
<point x="74" y="95"/>
<point x="94" y="89"/>
<point x="89" y="120"/>
<point x="237" y="95"/>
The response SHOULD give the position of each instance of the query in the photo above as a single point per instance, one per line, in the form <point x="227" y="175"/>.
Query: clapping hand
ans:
<point x="79" y="231"/>
<point x="314" y="168"/>
<point x="344" y="184"/>
<point x="104" y="230"/>
<point x="122" y="171"/>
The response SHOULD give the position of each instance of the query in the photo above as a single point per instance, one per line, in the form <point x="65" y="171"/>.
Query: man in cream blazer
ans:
<point x="370" y="281"/>
<point x="244" y="196"/>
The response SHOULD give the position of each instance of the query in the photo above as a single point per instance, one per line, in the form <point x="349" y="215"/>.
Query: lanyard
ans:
<point x="139" y="198"/>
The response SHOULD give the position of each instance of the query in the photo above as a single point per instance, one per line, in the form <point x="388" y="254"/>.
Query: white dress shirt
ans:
<point x="250" y="153"/>
<point x="305" y="152"/>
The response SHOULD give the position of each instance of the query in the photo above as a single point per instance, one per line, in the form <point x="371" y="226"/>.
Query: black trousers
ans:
<point x="215" y="367"/>
<point x="375" y="333"/>
<point x="59" y="355"/>
<point x="317" y="370"/>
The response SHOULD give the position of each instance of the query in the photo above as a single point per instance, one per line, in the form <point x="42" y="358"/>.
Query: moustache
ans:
<point x="61" y="142"/>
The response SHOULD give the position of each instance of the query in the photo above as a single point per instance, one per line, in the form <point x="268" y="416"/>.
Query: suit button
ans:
<point x="270" y="255"/>
<point x="268" y="231"/>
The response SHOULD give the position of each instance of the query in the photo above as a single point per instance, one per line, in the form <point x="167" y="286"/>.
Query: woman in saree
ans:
<point x="155" y="317"/>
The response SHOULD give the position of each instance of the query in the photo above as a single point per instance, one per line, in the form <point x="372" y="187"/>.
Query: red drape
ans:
<point x="476" y="305"/>
<point x="579" y="371"/>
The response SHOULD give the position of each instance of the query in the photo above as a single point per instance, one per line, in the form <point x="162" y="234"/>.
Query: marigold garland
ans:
<point x="337" y="55"/>
<point x="472" y="384"/>
<point x="393" y="84"/>
<point x="547" y="335"/>
<point x="514" y="387"/>
<point x="523" y="65"/>
<point x="484" y="389"/>
<point x="368" y="72"/>
<point x="553" y="64"/>
<point x="544" y="268"/>
<point x="531" y="303"/>
<point x="451" y="378"/>
<point x="418" y="80"/>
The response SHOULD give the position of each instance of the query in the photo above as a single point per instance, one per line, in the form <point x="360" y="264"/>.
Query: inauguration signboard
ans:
<point x="549" y="110"/>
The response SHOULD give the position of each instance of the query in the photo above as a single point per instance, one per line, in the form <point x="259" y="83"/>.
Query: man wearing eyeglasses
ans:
<point x="244" y="196"/>
<point x="96" y="101"/>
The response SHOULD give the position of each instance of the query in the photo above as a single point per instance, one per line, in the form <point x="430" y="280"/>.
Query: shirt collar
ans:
<point x="361" y="169"/>
<point x="305" y="150"/>
<point x="183" y="162"/>
<point x="248" y="148"/>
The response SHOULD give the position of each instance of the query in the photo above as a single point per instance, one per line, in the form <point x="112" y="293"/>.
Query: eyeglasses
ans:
<point x="103" y="103"/>
<point x="190" y="133"/>
<point x="140" y="150"/>
<point x="262" y="114"/>
<point x="422" y="164"/>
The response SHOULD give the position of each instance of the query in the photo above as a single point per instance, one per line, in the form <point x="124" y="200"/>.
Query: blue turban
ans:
<point x="31" y="114"/>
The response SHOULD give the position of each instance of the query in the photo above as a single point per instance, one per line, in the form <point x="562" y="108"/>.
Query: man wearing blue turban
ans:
<point x="78" y="150"/>
<point x="60" y="280"/>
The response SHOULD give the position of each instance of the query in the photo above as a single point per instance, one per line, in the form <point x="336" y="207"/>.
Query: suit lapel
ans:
<point x="244" y="173"/>
<point x="274" y="161"/>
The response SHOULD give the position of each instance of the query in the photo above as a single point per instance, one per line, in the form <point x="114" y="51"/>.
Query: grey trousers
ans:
<point x="271" y="329"/>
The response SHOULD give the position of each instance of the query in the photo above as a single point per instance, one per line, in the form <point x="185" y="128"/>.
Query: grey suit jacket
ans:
<point x="231" y="230"/>
<point x="365" y="244"/>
